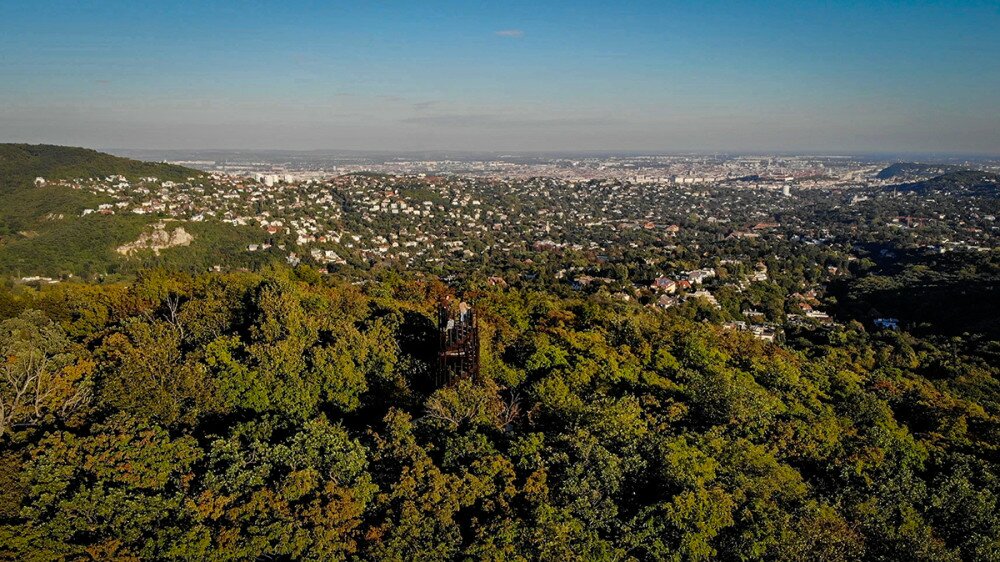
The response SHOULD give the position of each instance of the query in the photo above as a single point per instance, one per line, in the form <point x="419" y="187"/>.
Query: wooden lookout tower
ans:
<point x="458" y="343"/>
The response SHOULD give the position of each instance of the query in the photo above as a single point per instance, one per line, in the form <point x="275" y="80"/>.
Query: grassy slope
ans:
<point x="27" y="209"/>
<point x="215" y="243"/>
<point x="78" y="245"/>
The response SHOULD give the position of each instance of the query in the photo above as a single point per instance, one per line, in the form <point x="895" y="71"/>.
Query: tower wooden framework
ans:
<point x="458" y="343"/>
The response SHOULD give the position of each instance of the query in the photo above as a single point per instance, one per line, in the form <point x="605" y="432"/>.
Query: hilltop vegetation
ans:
<point x="20" y="164"/>
<point x="285" y="416"/>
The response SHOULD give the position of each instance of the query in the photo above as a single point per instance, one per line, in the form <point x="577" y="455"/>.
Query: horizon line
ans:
<point x="839" y="152"/>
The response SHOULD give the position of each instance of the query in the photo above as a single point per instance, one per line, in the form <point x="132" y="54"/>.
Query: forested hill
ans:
<point x="912" y="170"/>
<point x="22" y="163"/>
<point x="288" y="416"/>
<point x="46" y="231"/>
<point x="966" y="182"/>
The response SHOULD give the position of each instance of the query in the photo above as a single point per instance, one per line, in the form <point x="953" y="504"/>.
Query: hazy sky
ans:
<point x="581" y="75"/>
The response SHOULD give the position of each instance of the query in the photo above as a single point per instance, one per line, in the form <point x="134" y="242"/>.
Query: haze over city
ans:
<point x="846" y="77"/>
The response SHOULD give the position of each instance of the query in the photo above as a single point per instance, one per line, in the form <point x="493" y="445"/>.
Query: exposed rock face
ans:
<point x="158" y="239"/>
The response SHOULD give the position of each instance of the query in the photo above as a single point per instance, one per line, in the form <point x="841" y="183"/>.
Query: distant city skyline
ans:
<point x="839" y="77"/>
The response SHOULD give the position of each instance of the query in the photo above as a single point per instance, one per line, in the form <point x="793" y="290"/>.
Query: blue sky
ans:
<point x="641" y="75"/>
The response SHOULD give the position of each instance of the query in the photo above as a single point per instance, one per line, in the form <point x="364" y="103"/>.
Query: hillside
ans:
<point x="20" y="164"/>
<point x="43" y="230"/>
<point x="965" y="182"/>
<point x="913" y="170"/>
<point x="86" y="246"/>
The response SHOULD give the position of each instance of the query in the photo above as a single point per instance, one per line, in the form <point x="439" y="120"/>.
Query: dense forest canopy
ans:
<point x="288" y="415"/>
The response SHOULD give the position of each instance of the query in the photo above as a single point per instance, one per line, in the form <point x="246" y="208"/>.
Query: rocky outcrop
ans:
<point x="157" y="239"/>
